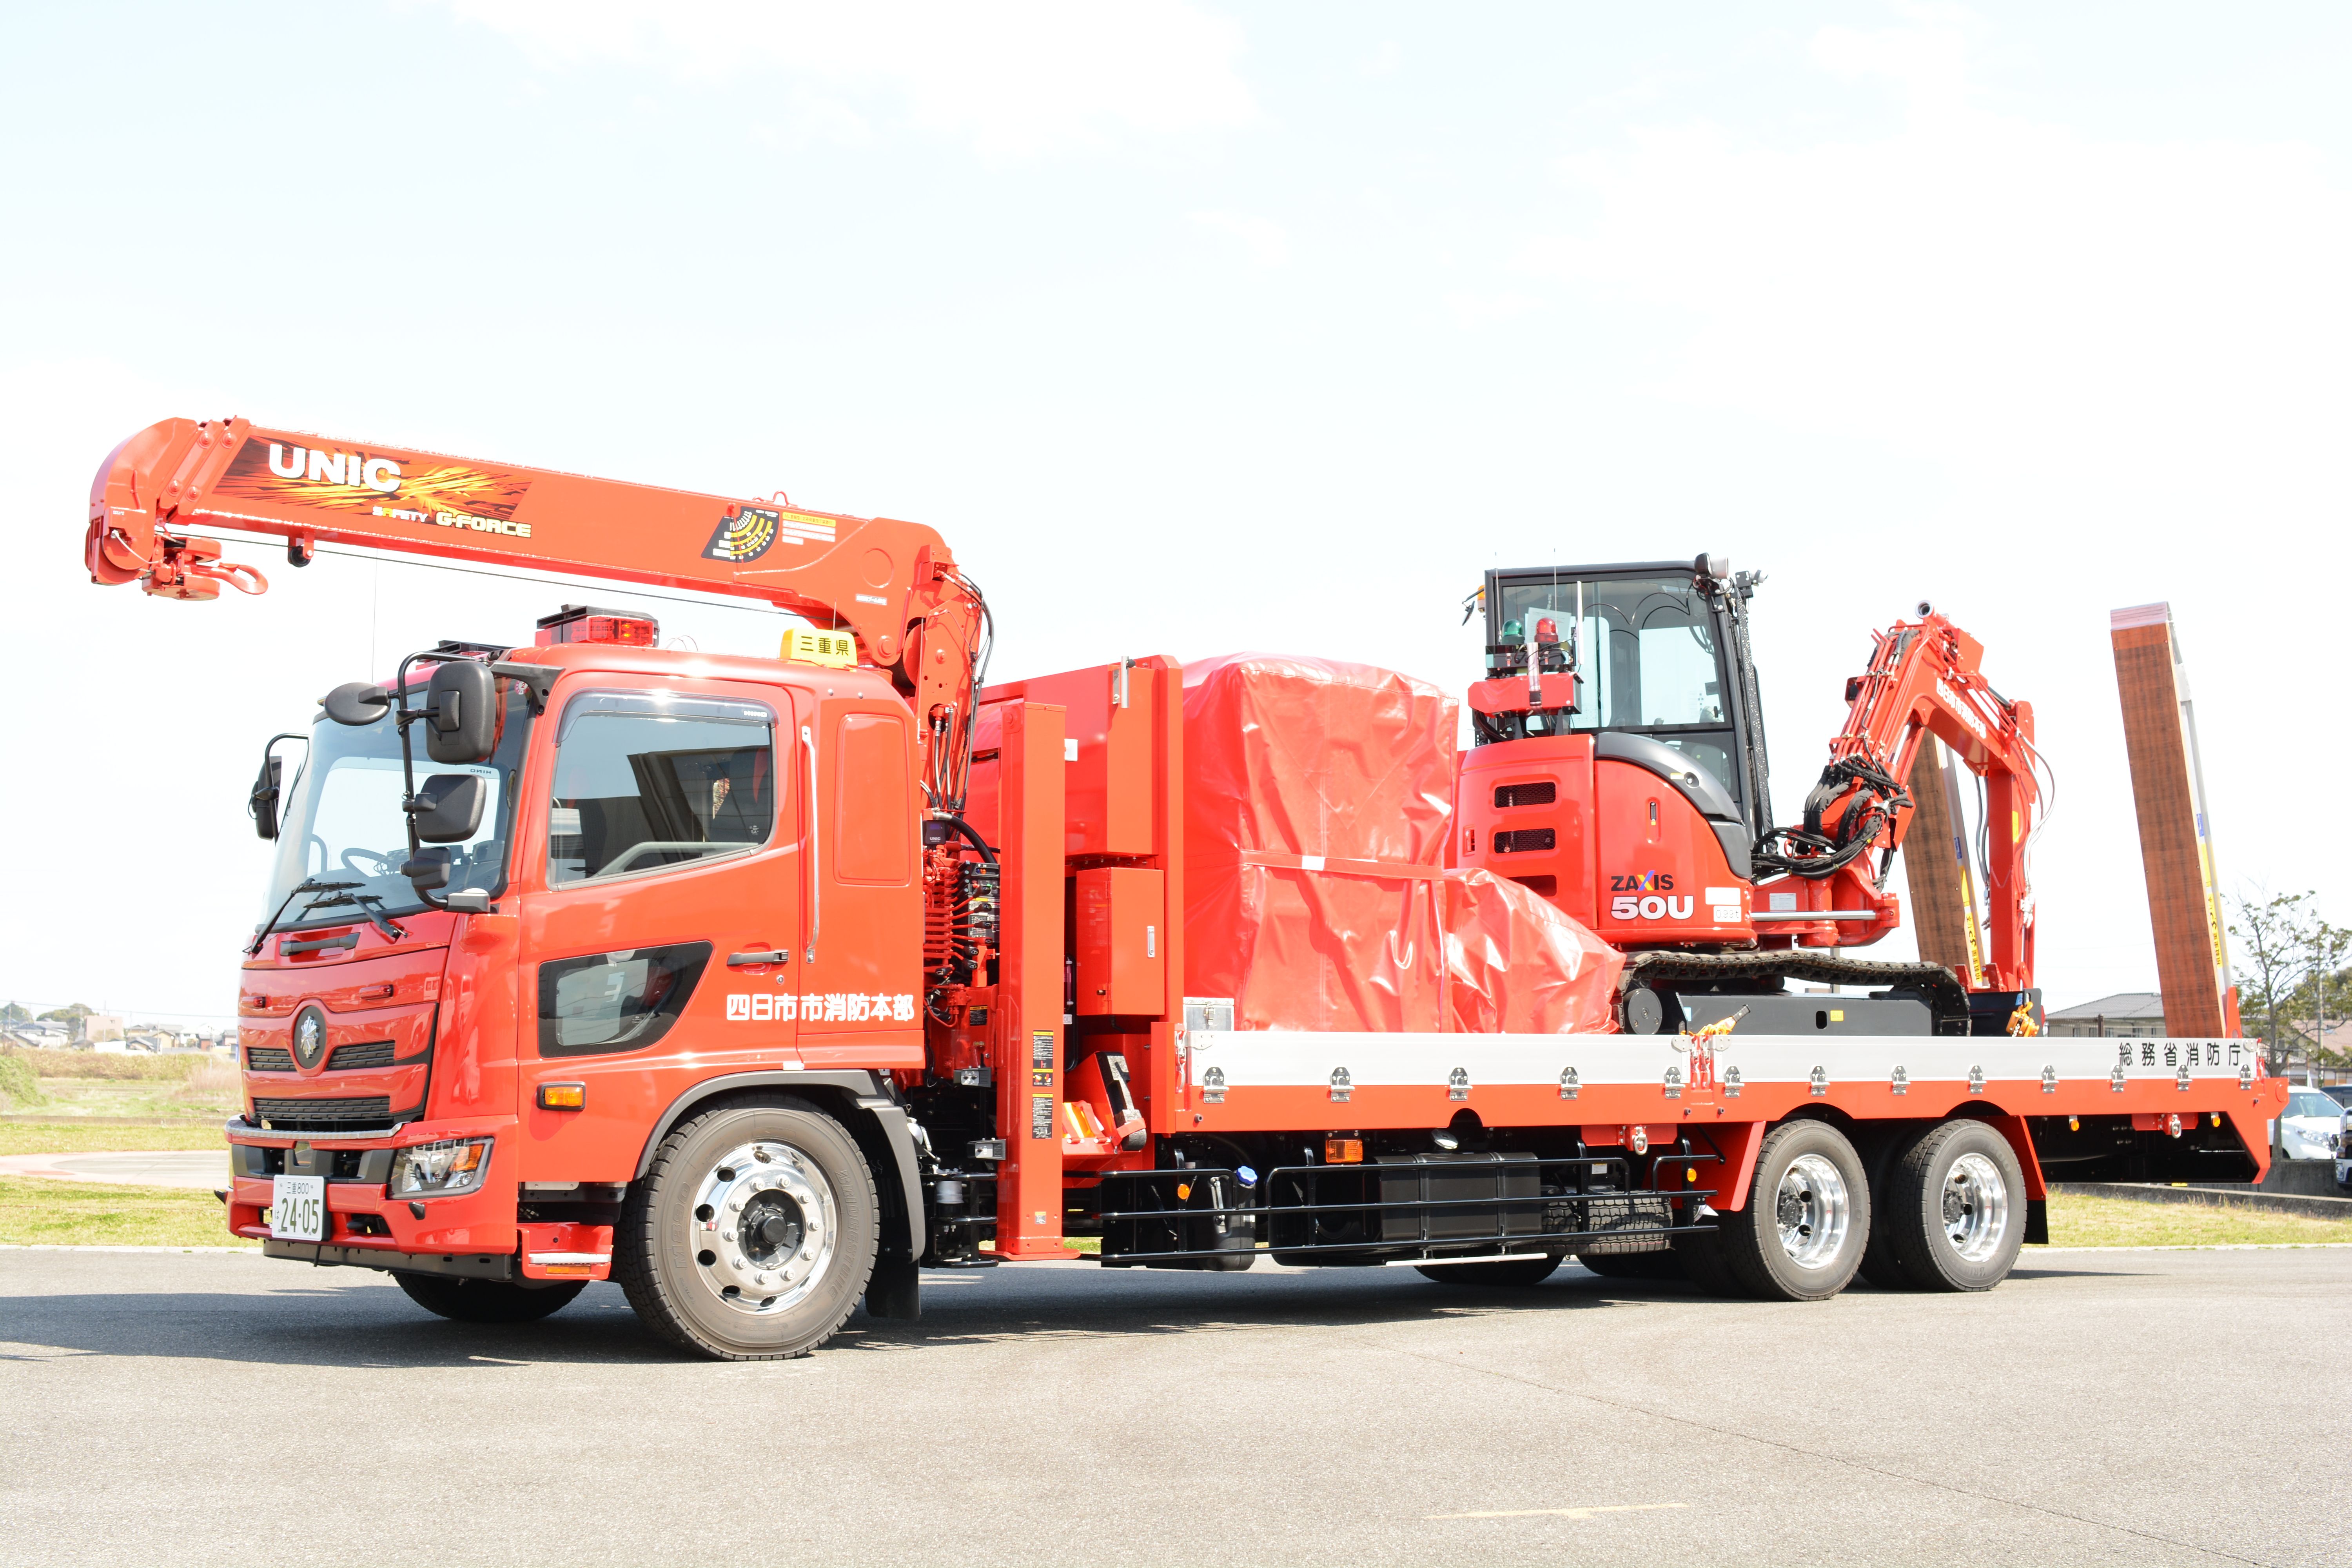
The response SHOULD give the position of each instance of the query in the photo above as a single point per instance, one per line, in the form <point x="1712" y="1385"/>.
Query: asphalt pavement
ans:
<point x="2134" y="1407"/>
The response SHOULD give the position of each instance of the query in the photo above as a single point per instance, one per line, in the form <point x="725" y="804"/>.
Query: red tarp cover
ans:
<point x="1522" y="965"/>
<point x="1287" y="758"/>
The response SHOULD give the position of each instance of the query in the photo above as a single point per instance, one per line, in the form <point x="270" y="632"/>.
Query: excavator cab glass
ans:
<point x="1650" y="648"/>
<point x="343" y="821"/>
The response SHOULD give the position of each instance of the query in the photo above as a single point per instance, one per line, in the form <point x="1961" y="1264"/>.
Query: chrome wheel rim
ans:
<point x="1976" y="1208"/>
<point x="1814" y="1210"/>
<point x="763" y="1229"/>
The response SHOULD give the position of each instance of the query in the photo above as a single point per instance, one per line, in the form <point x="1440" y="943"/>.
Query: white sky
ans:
<point x="1195" y="329"/>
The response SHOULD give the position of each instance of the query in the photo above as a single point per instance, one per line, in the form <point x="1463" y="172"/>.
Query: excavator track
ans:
<point x="1946" y="999"/>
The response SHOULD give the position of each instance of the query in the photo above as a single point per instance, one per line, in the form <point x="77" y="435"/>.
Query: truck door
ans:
<point x="660" y="926"/>
<point x="861" y="960"/>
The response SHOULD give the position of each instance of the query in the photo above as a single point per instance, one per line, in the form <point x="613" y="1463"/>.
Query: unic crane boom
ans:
<point x="1925" y="677"/>
<point x="892" y="584"/>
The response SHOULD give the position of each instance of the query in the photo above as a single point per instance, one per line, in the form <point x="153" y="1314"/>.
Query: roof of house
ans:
<point x="2122" y="1005"/>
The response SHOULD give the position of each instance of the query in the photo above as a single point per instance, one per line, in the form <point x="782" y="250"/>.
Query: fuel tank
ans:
<point x="1623" y="832"/>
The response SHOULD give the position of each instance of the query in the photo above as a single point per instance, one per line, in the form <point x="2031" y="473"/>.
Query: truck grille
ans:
<point x="1509" y="796"/>
<point x="367" y="1054"/>
<point x="300" y="1115"/>
<point x="268" y="1059"/>
<point x="1526" y="840"/>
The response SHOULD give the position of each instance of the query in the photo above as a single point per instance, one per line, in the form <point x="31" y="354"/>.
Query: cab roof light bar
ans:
<point x="586" y="623"/>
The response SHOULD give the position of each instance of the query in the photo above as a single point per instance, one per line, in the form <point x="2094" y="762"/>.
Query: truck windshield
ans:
<point x="1649" y="661"/>
<point x="342" y="820"/>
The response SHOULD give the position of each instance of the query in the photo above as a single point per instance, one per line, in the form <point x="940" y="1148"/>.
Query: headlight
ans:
<point x="440" y="1170"/>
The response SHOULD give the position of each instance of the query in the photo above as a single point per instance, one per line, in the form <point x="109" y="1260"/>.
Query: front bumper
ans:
<point x="476" y="1235"/>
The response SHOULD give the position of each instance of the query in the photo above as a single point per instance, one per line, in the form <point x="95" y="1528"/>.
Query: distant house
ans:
<point x="2127" y="1014"/>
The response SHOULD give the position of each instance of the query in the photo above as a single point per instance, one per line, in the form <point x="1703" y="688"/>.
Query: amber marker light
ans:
<point x="563" y="1097"/>
<point x="1343" y="1151"/>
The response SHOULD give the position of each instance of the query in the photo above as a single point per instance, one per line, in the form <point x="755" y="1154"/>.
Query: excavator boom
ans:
<point x="1925" y="678"/>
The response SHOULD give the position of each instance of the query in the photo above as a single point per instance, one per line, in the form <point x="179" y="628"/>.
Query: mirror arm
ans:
<point x="537" y="679"/>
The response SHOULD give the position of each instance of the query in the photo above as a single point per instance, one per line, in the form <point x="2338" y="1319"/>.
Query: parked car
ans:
<point x="2313" y="1127"/>
<point x="2341" y="1093"/>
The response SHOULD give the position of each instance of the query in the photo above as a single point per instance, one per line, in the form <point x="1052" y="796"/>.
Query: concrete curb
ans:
<point x="253" y="1250"/>
<point x="2212" y="1197"/>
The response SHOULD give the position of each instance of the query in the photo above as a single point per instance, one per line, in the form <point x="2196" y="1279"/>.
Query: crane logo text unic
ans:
<point x="380" y="474"/>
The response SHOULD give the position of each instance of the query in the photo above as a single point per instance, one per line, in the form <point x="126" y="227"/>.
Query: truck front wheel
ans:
<point x="1808" y="1218"/>
<point x="752" y="1234"/>
<point x="486" y="1301"/>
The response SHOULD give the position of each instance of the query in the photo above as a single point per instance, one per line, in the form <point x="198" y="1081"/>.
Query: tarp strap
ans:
<point x="1390" y="868"/>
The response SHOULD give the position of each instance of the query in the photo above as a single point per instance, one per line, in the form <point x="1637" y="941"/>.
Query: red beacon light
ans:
<point x="1547" y="630"/>
<point x="585" y="622"/>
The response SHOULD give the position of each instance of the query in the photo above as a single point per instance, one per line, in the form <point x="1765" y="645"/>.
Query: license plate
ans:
<point x="297" y="1208"/>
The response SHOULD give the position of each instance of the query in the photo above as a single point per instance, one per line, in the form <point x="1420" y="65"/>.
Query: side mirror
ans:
<point x="461" y="712"/>
<point x="448" y="808"/>
<point x="356" y="703"/>
<point x="428" y="870"/>
<point x="262" y="803"/>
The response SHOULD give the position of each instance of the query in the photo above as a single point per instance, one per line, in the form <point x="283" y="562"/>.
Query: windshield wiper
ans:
<point x="305" y="885"/>
<point x="376" y="917"/>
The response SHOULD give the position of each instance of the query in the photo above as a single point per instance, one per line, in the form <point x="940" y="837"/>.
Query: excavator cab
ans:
<point x="1619" y="769"/>
<point x="1660" y="650"/>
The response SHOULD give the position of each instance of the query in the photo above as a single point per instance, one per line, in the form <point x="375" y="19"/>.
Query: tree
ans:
<point x="2275" y="935"/>
<point x="69" y="1013"/>
<point x="15" y="1013"/>
<point x="2320" y="999"/>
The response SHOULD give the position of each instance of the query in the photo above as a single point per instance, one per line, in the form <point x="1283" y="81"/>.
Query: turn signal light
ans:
<point x="1343" y="1151"/>
<point x="563" y="1097"/>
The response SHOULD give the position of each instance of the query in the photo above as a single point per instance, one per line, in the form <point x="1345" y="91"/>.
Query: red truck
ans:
<point x="761" y="985"/>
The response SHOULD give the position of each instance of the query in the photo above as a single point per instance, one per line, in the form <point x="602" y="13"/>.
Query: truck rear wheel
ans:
<point x="1661" y="1264"/>
<point x="1808" y="1216"/>
<point x="1701" y="1257"/>
<point x="1956" y="1210"/>
<point x="1505" y="1271"/>
<point x="752" y="1234"/>
<point x="486" y="1301"/>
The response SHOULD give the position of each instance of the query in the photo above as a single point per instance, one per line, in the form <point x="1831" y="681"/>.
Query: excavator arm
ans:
<point x="894" y="585"/>
<point x="1925" y="677"/>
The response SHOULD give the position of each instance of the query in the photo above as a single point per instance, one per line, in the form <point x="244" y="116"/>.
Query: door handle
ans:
<point x="737" y="960"/>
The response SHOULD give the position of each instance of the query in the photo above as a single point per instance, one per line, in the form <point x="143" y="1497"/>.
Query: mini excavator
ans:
<point x="1619" y="770"/>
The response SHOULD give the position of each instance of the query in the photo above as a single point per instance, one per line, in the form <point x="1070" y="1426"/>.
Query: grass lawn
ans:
<point x="2076" y="1221"/>
<point x="159" y="1100"/>
<point x="104" y="1137"/>
<point x="35" y="1212"/>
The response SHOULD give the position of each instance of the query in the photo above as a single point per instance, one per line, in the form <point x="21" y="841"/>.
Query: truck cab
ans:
<point x="688" y="872"/>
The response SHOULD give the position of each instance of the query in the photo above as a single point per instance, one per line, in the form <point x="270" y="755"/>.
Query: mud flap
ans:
<point x="895" y="1291"/>
<point x="2037" y="1222"/>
